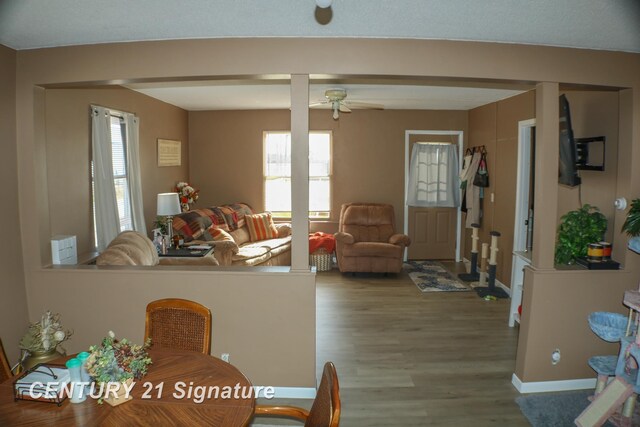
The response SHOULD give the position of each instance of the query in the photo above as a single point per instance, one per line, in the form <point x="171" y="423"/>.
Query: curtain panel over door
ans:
<point x="433" y="176"/>
<point x="107" y="216"/>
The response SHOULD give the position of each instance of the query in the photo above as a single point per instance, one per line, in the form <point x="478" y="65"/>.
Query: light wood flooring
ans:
<point x="406" y="358"/>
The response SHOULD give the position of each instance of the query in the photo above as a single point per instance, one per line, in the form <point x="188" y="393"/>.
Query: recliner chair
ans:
<point x="367" y="241"/>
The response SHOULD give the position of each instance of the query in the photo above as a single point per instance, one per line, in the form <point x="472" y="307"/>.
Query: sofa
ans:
<point x="366" y="240"/>
<point x="240" y="236"/>
<point x="134" y="248"/>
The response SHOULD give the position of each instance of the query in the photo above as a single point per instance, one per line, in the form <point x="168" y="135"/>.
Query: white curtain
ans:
<point x="433" y="176"/>
<point x="133" y="172"/>
<point x="107" y="221"/>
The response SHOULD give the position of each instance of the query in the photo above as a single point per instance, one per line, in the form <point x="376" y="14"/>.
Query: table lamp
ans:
<point x="169" y="205"/>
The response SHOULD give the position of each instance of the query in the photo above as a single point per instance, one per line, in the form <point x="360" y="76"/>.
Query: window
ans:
<point x="433" y="175"/>
<point x="277" y="174"/>
<point x="120" y="172"/>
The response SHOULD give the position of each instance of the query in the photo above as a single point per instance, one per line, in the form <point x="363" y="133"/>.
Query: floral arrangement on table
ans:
<point x="187" y="194"/>
<point x="117" y="360"/>
<point x="46" y="335"/>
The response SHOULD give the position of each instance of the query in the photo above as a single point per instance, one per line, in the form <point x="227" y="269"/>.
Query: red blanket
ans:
<point x="321" y="240"/>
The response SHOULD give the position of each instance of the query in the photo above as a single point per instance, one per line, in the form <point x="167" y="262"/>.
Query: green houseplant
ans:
<point x="631" y="225"/>
<point x="577" y="229"/>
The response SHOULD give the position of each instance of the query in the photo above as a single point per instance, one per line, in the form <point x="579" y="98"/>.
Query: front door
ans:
<point x="432" y="230"/>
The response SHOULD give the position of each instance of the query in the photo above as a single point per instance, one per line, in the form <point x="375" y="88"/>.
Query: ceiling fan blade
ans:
<point x="364" y="105"/>
<point x="318" y="104"/>
<point x="344" y="108"/>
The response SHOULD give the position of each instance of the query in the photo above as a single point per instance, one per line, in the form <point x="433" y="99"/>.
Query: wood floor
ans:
<point x="406" y="358"/>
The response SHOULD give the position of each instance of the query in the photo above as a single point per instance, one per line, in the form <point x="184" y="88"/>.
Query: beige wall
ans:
<point x="495" y="126"/>
<point x="266" y="345"/>
<point x="555" y="308"/>
<point x="429" y="59"/>
<point x="13" y="303"/>
<point x="68" y="152"/>
<point x="368" y="153"/>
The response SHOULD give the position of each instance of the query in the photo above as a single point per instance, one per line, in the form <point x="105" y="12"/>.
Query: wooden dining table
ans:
<point x="160" y="398"/>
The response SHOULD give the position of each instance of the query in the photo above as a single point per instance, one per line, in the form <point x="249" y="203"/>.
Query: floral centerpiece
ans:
<point x="117" y="360"/>
<point x="188" y="195"/>
<point x="43" y="339"/>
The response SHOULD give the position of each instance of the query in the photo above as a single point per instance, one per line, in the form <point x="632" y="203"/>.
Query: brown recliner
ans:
<point x="367" y="241"/>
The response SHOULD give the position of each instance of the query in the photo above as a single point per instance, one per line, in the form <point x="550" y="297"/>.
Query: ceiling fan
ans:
<point x="335" y="98"/>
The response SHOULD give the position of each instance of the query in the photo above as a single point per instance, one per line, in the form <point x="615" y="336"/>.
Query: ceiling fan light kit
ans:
<point x="336" y="99"/>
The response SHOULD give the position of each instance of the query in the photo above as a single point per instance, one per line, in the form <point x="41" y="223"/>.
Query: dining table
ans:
<point x="181" y="388"/>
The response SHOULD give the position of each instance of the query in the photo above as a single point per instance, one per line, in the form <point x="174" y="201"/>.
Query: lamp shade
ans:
<point x="168" y="204"/>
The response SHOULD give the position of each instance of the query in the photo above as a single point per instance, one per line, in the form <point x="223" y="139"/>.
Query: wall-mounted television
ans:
<point x="568" y="169"/>
<point x="591" y="153"/>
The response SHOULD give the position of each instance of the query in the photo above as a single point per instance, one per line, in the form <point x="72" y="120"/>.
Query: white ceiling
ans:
<point x="195" y="96"/>
<point x="591" y="24"/>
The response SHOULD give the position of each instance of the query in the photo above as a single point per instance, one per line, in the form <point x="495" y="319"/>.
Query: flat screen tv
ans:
<point x="568" y="169"/>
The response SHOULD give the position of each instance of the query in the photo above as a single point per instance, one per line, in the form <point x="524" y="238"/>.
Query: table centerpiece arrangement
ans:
<point x="117" y="361"/>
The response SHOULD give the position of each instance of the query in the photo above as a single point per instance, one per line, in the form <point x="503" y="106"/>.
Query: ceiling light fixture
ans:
<point x="336" y="109"/>
<point x="323" y="4"/>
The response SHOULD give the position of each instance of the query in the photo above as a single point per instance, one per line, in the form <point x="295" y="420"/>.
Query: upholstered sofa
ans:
<point x="229" y="229"/>
<point x="366" y="240"/>
<point x="134" y="248"/>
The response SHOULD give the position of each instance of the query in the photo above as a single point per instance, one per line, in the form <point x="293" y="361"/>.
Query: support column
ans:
<point x="300" y="172"/>
<point x="546" y="176"/>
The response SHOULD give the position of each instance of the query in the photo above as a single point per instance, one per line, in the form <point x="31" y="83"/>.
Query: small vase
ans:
<point x="121" y="396"/>
<point x="36" y="357"/>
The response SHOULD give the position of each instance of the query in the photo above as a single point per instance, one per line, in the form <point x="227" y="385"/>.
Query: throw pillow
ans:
<point x="261" y="226"/>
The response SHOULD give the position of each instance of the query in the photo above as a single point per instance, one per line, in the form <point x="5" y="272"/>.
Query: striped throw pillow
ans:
<point x="261" y="226"/>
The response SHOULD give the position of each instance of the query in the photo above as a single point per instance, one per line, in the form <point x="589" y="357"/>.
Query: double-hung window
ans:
<point x="277" y="174"/>
<point x="121" y="172"/>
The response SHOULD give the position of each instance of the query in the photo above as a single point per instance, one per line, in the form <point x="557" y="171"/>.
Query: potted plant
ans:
<point x="118" y="361"/>
<point x="577" y="229"/>
<point x="631" y="225"/>
<point x="161" y="223"/>
<point x="41" y="341"/>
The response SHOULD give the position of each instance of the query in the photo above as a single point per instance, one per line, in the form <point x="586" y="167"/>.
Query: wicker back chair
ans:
<point x="325" y="411"/>
<point x="5" y="369"/>
<point x="178" y="324"/>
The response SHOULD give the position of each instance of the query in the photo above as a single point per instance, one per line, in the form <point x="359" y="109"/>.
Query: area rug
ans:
<point x="555" y="409"/>
<point x="431" y="276"/>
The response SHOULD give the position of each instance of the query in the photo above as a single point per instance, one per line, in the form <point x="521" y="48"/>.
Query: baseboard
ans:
<point x="289" y="392"/>
<point x="547" y="386"/>
<point x="504" y="287"/>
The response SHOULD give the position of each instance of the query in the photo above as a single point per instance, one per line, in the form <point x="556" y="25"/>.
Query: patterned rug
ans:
<point x="431" y="276"/>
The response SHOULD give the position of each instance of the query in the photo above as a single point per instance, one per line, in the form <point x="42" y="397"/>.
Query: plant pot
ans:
<point x="121" y="396"/>
<point x="36" y="357"/>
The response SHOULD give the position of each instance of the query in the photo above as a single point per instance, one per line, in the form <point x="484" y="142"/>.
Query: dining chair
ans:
<point x="325" y="411"/>
<point x="5" y="369"/>
<point x="178" y="324"/>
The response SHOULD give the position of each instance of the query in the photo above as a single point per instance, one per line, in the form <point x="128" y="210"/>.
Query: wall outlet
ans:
<point x="225" y="357"/>
<point x="555" y="356"/>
